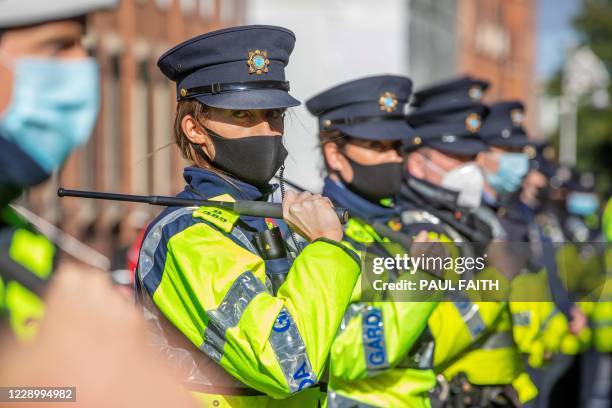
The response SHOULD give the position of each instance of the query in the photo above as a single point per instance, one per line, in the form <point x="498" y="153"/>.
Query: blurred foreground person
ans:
<point x="93" y="339"/>
<point x="49" y="96"/>
<point x="234" y="299"/>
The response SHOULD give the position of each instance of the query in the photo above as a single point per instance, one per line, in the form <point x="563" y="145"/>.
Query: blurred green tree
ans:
<point x="593" y="23"/>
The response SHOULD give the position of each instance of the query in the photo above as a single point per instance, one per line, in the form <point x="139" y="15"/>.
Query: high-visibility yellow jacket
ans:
<point x="539" y="327"/>
<point x="375" y="359"/>
<point x="27" y="253"/>
<point x="207" y="293"/>
<point x="601" y="317"/>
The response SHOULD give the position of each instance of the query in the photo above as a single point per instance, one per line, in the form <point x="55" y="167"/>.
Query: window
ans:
<point x="112" y="125"/>
<point x="140" y="131"/>
<point x="162" y="138"/>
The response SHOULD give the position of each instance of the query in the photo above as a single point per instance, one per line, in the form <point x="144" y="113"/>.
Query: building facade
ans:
<point x="132" y="148"/>
<point x="497" y="41"/>
<point x="490" y="39"/>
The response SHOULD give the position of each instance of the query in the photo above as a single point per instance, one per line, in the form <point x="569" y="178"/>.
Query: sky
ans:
<point x="555" y="34"/>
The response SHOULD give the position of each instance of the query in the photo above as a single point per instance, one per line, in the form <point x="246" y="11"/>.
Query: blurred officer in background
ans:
<point x="247" y="317"/>
<point x="504" y="164"/>
<point x="49" y="91"/>
<point x="374" y="360"/>
<point x="572" y="218"/>
<point x="535" y="190"/>
<point x="474" y="352"/>
<point x="598" y="386"/>
<point x="538" y="327"/>
<point x="582" y="261"/>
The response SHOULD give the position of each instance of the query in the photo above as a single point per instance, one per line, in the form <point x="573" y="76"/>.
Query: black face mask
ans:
<point x="375" y="182"/>
<point x="253" y="159"/>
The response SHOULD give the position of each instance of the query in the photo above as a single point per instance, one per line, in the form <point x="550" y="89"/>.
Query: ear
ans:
<point x="333" y="157"/>
<point x="193" y="130"/>
<point x="197" y="135"/>
<point x="415" y="164"/>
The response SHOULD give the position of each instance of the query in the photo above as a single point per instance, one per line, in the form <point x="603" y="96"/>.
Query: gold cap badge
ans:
<point x="472" y="122"/>
<point x="388" y="102"/>
<point x="258" y="62"/>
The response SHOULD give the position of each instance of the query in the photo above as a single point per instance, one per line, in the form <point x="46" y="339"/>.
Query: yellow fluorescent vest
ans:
<point x="33" y="254"/>
<point x="372" y="362"/>
<point x="204" y="278"/>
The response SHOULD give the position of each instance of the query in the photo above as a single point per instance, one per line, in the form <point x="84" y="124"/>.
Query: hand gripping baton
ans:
<point x="242" y="207"/>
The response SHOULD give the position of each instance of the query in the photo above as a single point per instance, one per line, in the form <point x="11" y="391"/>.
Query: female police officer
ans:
<point x="202" y="274"/>
<point x="362" y="127"/>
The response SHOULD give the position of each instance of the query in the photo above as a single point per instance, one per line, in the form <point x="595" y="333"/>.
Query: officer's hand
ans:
<point x="428" y="247"/>
<point x="312" y="216"/>
<point x="578" y="321"/>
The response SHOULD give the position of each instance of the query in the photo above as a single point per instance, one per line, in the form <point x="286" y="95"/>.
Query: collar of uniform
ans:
<point x="19" y="170"/>
<point x="358" y="207"/>
<point x="208" y="184"/>
<point x="421" y="195"/>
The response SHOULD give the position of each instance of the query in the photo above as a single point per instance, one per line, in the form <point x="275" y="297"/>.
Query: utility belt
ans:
<point x="460" y="393"/>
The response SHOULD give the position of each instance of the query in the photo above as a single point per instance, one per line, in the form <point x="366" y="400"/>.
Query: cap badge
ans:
<point x="472" y="122"/>
<point x="388" y="102"/>
<point x="517" y="116"/>
<point x="258" y="62"/>
<point x="530" y="151"/>
<point x="475" y="92"/>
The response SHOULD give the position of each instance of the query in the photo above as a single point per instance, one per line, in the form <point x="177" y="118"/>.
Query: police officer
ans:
<point x="246" y="317"/>
<point x="374" y="360"/>
<point x="474" y="350"/>
<point x="596" y="387"/>
<point x="584" y="273"/>
<point x="504" y="164"/>
<point x="49" y="91"/>
<point x="538" y="327"/>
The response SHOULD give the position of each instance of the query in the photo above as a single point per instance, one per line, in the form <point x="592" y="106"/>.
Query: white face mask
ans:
<point x="466" y="179"/>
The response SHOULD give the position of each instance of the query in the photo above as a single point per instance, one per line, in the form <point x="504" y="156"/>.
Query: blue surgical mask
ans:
<point x="582" y="204"/>
<point x="53" y="107"/>
<point x="511" y="169"/>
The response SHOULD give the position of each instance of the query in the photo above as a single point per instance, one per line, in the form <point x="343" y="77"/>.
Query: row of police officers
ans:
<point x="261" y="312"/>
